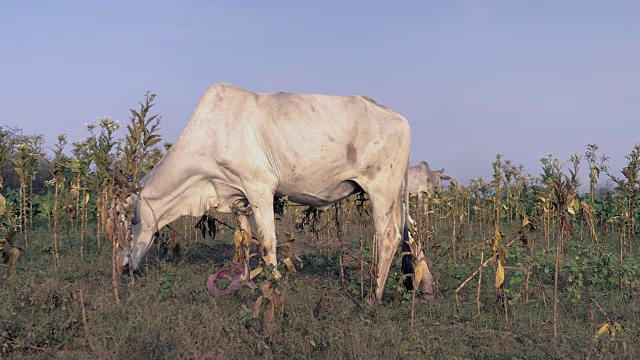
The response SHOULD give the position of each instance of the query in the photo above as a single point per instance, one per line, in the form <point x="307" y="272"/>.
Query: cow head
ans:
<point x="435" y="178"/>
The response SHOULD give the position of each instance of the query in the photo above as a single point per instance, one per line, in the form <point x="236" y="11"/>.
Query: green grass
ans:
<point x="168" y="313"/>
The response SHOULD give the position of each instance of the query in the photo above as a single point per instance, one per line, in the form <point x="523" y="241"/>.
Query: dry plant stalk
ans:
<point x="274" y="302"/>
<point x="484" y="264"/>
<point x="373" y="274"/>
<point x="610" y="327"/>
<point x="58" y="168"/>
<point x="419" y="264"/>
<point x="84" y="312"/>
<point x="118" y="229"/>
<point x="479" y="283"/>
<point x="337" y="215"/>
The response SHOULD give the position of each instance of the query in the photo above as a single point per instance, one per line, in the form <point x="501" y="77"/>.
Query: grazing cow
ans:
<point x="243" y="148"/>
<point x="423" y="180"/>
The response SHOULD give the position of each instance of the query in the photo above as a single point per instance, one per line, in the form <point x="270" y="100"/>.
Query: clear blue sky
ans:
<point x="474" y="78"/>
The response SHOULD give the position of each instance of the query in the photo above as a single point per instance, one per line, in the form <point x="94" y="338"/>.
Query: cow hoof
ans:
<point x="371" y="302"/>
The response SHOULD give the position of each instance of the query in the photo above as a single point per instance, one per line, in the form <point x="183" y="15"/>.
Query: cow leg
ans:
<point x="263" y="219"/>
<point x="387" y="219"/>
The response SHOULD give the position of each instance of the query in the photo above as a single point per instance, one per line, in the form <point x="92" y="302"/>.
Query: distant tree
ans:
<point x="606" y="188"/>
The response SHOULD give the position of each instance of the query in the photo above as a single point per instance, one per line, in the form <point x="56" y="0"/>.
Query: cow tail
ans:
<point x="407" y="261"/>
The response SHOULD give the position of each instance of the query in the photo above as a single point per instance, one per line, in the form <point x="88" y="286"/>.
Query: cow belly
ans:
<point x="322" y="197"/>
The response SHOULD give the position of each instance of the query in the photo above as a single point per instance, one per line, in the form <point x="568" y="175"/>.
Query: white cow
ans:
<point x="244" y="148"/>
<point x="424" y="181"/>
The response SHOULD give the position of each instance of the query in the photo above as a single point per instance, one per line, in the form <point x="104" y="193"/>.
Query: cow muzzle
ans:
<point x="124" y="269"/>
<point x="121" y="261"/>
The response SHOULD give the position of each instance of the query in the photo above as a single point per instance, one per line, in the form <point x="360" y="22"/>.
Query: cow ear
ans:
<point x="445" y="177"/>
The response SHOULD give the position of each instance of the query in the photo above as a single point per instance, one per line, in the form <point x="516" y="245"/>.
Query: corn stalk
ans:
<point x="58" y="168"/>
<point x="100" y="150"/>
<point x="564" y="198"/>
<point x="80" y="168"/>
<point x="28" y="152"/>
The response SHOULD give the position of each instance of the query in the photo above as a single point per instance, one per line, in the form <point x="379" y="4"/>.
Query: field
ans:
<point x="526" y="267"/>
<point x="168" y="312"/>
